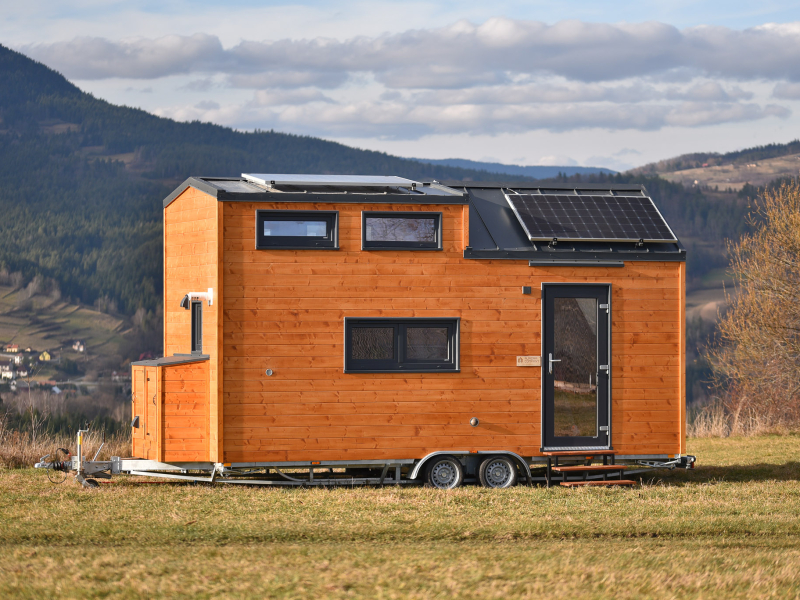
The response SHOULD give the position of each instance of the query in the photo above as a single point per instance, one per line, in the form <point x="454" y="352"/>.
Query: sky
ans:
<point x="591" y="83"/>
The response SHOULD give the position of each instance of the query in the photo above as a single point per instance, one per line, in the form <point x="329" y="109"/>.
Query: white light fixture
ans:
<point x="207" y="296"/>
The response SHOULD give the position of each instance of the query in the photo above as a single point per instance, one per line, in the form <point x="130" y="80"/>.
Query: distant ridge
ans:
<point x="696" y="160"/>
<point x="536" y="172"/>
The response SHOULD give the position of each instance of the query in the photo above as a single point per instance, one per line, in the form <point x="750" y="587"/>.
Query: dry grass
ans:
<point x="717" y="420"/>
<point x="24" y="449"/>
<point x="729" y="529"/>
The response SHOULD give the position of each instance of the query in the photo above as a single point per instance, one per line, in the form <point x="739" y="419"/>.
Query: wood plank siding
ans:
<point x="191" y="264"/>
<point x="284" y="310"/>
<point x="172" y="404"/>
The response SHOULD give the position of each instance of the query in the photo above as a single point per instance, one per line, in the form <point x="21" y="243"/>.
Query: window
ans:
<point x="288" y="229"/>
<point x="401" y="230"/>
<point x="197" y="327"/>
<point x="408" y="345"/>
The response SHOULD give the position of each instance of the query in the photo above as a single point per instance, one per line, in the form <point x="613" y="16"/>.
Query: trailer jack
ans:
<point x="85" y="470"/>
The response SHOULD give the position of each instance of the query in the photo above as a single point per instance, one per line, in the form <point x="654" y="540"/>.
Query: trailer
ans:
<point x="324" y="330"/>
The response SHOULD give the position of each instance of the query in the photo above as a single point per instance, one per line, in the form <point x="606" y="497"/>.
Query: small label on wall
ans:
<point x="529" y="361"/>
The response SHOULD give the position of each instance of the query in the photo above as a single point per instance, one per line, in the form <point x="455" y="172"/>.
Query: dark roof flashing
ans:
<point x="176" y="359"/>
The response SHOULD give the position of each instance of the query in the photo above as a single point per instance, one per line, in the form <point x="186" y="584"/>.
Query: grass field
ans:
<point x="729" y="529"/>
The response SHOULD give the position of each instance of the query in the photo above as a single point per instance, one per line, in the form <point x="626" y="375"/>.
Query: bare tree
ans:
<point x="757" y="362"/>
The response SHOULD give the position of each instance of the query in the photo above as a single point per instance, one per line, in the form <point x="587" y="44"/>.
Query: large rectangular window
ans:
<point x="293" y="229"/>
<point x="408" y="345"/>
<point x="401" y="230"/>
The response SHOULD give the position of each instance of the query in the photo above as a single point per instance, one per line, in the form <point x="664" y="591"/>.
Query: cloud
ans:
<point x="293" y="97"/>
<point x="787" y="91"/>
<point x="399" y="120"/>
<point x="500" y="76"/>
<point x="288" y="79"/>
<point x="460" y="55"/>
<point x="97" y="58"/>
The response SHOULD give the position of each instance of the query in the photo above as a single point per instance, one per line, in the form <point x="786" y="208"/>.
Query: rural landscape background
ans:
<point x="81" y="252"/>
<point x="81" y="186"/>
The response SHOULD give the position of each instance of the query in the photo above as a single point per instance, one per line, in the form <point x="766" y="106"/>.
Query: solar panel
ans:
<point x="349" y="180"/>
<point x="590" y="218"/>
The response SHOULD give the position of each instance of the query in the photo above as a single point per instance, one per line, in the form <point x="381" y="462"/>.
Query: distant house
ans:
<point x="56" y="389"/>
<point x="11" y="348"/>
<point x="18" y="359"/>
<point x="44" y="356"/>
<point x="78" y="346"/>
<point x="22" y="371"/>
<point x="7" y="370"/>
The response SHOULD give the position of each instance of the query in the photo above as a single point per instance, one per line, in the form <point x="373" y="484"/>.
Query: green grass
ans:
<point x="728" y="529"/>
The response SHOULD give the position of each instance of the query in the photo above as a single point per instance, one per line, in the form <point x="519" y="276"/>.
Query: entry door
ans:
<point x="151" y="423"/>
<point x="575" y="366"/>
<point x="139" y="407"/>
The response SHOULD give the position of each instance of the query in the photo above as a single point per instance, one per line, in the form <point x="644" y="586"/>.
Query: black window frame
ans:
<point x="400" y="364"/>
<point x="196" y="309"/>
<point x="330" y="242"/>
<point x="393" y="245"/>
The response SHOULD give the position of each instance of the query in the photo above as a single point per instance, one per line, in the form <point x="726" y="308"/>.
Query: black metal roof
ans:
<point x="495" y="232"/>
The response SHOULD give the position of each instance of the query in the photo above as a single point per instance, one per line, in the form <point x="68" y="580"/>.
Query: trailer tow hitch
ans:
<point x="83" y="468"/>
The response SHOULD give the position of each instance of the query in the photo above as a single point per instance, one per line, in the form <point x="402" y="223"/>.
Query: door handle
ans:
<point x="550" y="361"/>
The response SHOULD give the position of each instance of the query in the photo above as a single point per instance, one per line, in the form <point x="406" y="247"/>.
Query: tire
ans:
<point x="444" y="472"/>
<point x="91" y="483"/>
<point x="498" y="472"/>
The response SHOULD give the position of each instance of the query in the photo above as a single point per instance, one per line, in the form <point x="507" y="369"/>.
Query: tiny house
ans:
<point x="352" y="325"/>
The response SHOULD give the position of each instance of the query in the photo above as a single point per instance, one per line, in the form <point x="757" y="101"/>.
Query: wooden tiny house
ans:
<point x="344" y="321"/>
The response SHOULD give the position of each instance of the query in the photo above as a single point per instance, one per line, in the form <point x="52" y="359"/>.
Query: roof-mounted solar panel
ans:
<point x="330" y="180"/>
<point x="593" y="218"/>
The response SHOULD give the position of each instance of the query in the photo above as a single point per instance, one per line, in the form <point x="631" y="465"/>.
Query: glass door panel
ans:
<point x="575" y="366"/>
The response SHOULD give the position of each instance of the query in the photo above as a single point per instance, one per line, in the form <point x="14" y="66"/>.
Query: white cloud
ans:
<point x="787" y="91"/>
<point x="455" y="55"/>
<point x="289" y="97"/>
<point x="492" y="78"/>
<point x="310" y="112"/>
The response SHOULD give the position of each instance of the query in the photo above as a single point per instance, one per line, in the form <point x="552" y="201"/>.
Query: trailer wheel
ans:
<point x="91" y="483"/>
<point x="444" y="472"/>
<point x="498" y="472"/>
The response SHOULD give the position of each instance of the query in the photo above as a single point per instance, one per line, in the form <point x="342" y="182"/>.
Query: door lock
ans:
<point x="551" y="360"/>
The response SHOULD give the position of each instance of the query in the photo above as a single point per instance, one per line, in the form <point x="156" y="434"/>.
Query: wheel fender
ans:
<point x="418" y="467"/>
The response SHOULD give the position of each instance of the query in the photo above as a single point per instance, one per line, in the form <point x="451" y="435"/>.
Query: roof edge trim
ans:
<point x="194" y="182"/>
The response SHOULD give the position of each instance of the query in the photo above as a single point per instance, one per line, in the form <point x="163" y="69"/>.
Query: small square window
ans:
<point x="401" y="230"/>
<point x="293" y="229"/>
<point x="406" y="345"/>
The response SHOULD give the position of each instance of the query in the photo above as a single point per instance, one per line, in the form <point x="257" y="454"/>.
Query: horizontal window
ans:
<point x="408" y="345"/>
<point x="287" y="229"/>
<point x="401" y="230"/>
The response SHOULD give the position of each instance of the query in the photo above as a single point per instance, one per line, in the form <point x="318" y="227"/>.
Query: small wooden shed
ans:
<point x="324" y="320"/>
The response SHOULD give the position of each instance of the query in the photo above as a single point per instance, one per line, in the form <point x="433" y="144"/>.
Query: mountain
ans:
<point x="536" y="172"/>
<point x="81" y="181"/>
